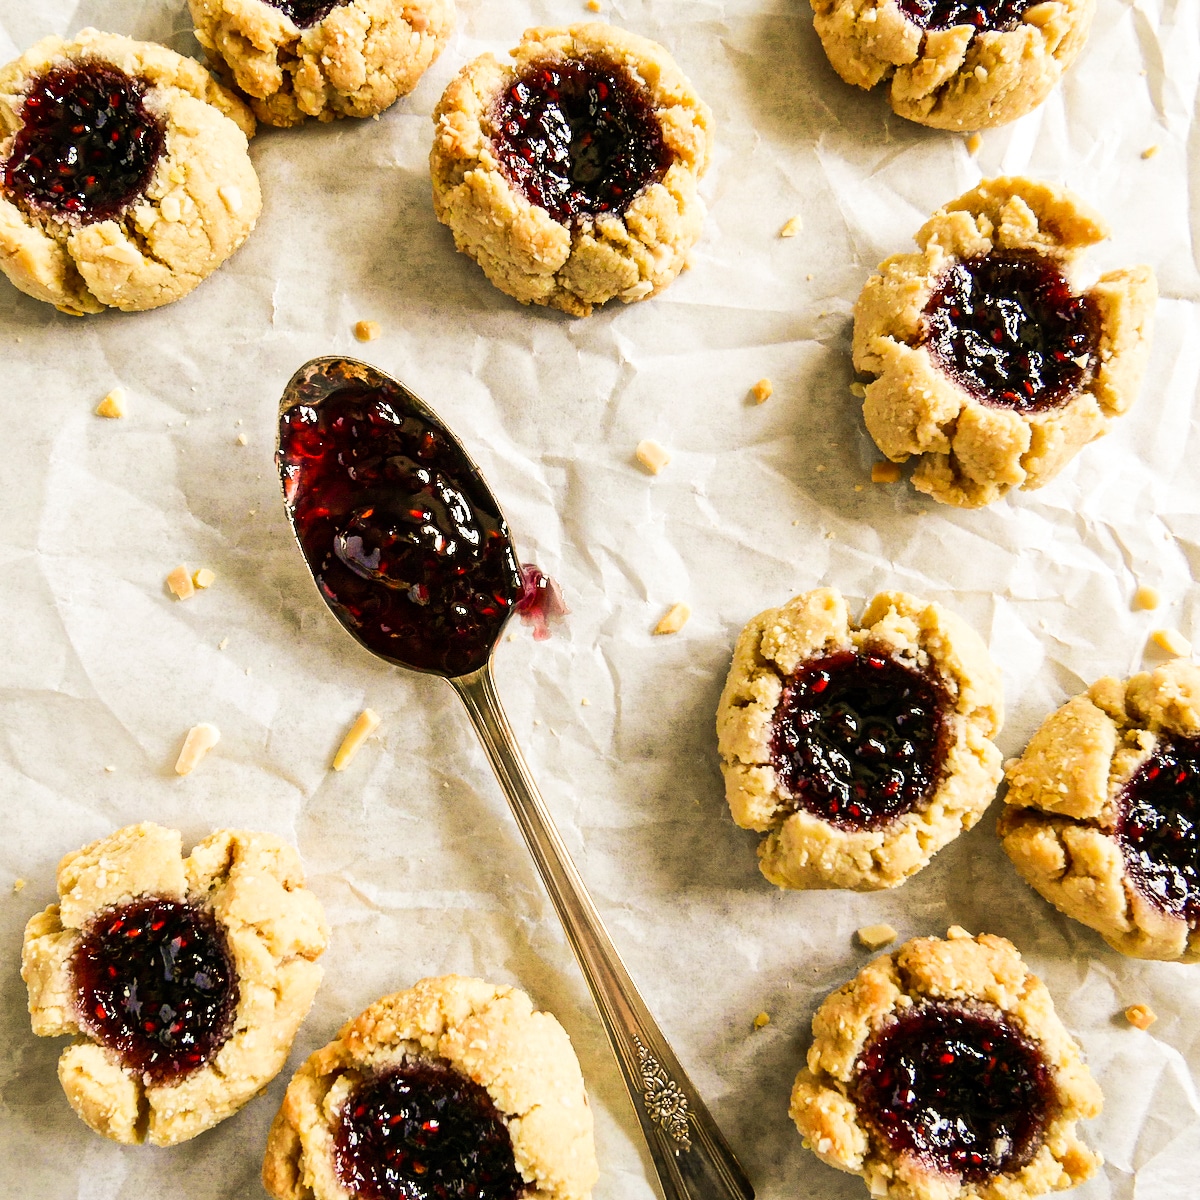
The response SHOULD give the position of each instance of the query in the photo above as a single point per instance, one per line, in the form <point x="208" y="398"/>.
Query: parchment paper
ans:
<point x="412" y="850"/>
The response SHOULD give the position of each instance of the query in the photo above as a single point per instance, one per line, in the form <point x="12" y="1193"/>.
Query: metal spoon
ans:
<point x="364" y="570"/>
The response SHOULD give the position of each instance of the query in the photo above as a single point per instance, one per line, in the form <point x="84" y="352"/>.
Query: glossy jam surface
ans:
<point x="986" y="15"/>
<point x="859" y="739"/>
<point x="578" y="138"/>
<point x="306" y="13"/>
<point x="1008" y="328"/>
<point x="87" y="147"/>
<point x="961" y="1089"/>
<point x="424" y="1132"/>
<point x="156" y="984"/>
<point x="1159" y="827"/>
<point x="404" y="538"/>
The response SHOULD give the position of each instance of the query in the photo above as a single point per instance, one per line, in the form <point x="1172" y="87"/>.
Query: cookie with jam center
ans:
<point x="570" y="175"/>
<point x="990" y="364"/>
<point x="858" y="749"/>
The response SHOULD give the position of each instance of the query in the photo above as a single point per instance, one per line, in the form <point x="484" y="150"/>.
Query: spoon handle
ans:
<point x="690" y="1155"/>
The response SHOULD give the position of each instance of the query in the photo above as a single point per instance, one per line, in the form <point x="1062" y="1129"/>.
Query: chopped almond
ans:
<point x="974" y="144"/>
<point x="675" y="618"/>
<point x="956" y="933"/>
<point x="203" y="578"/>
<point x="762" y="1020"/>
<point x="18" y="885"/>
<point x="199" y="741"/>
<point x="113" y="405"/>
<point x="363" y="727"/>
<point x="1146" y="597"/>
<point x="1140" y="1016"/>
<point x="885" y="472"/>
<point x="242" y="439"/>
<point x="1172" y="641"/>
<point x="652" y="456"/>
<point x="180" y="582"/>
<point x="873" y="937"/>
<point x="792" y="227"/>
<point x="366" y="331"/>
<point x="762" y="391"/>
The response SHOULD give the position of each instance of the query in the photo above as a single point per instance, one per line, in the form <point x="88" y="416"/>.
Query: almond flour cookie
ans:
<point x="860" y="750"/>
<point x="942" y="1072"/>
<point x="955" y="64"/>
<point x="570" y="176"/>
<point x="297" y="59"/>
<point x="990" y="364"/>
<point x="1102" y="815"/>
<point x="124" y="173"/>
<point x="184" y="980"/>
<point x="455" y="1087"/>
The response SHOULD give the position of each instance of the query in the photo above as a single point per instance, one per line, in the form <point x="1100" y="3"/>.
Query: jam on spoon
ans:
<point x="998" y="16"/>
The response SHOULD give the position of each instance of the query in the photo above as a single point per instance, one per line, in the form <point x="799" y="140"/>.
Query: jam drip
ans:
<point x="999" y="16"/>
<point x="87" y="147"/>
<point x="1008" y="328"/>
<point x="578" y="138"/>
<point x="1159" y="827"/>
<point x="306" y="13"/>
<point x="960" y="1089"/>
<point x="859" y="739"/>
<point x="156" y="985"/>
<point x="424" y="1132"/>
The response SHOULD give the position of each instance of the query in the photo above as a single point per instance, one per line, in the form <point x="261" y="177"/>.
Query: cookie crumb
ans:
<point x="363" y="727"/>
<point x="1172" y="641"/>
<point x="242" y="440"/>
<point x="18" y="884"/>
<point x="675" y="618"/>
<point x="858" y="487"/>
<point x="113" y="405"/>
<point x="1140" y="1016"/>
<point x="858" y="390"/>
<point x="593" y="6"/>
<point x="874" y="937"/>
<point x="110" y="769"/>
<point x="762" y="1020"/>
<point x="792" y="227"/>
<point x="762" y="391"/>
<point x="180" y="583"/>
<point x="1150" y="151"/>
<point x="956" y="933"/>
<point x="199" y="741"/>
<point x="885" y="472"/>
<point x="1146" y="597"/>
<point x="203" y="578"/>
<point x="652" y="456"/>
<point x="809" y="277"/>
<point x="583" y="700"/>
<point x="222" y="643"/>
<point x="366" y="331"/>
<point x="974" y="144"/>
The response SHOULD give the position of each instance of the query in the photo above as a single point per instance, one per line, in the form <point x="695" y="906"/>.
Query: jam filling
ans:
<point x="578" y="138"/>
<point x="541" y="601"/>
<point x="1159" y="827"/>
<point x="1008" y="328"/>
<point x="999" y="16"/>
<point x="960" y="1089"/>
<point x="859" y="739"/>
<point x="156" y="985"/>
<point x="306" y="13"/>
<point x="87" y="146"/>
<point x="424" y="1132"/>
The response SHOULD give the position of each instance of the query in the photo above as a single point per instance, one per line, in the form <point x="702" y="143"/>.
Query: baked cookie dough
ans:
<point x="161" y="1055"/>
<point x="955" y="64"/>
<point x="1102" y="815"/>
<point x="448" y="1084"/>
<point x="124" y="173"/>
<point x="989" y="364"/>
<point x="297" y="59"/>
<point x="858" y="749"/>
<point x="570" y="176"/>
<point x="942" y="1072"/>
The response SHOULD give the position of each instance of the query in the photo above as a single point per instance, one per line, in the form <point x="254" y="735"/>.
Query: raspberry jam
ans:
<point x="541" y="602"/>
<point x="406" y="542"/>
<point x="578" y="138"/>
<point x="1159" y="827"/>
<point x="999" y="16"/>
<point x="1008" y="328"/>
<point x="157" y="986"/>
<point x="859" y="739"/>
<point x="306" y="13"/>
<point x="87" y="146"/>
<point x="422" y="1131"/>
<point x="961" y="1089"/>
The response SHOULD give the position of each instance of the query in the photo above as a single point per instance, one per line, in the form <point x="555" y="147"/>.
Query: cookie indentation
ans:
<point x="858" y="739"/>
<point x="578" y="138"/>
<point x="960" y="1089"/>
<point x="88" y="145"/>
<point x="306" y="13"/>
<point x="1000" y="16"/>
<point x="1008" y="329"/>
<point x="156" y="985"/>
<point x="424" y="1131"/>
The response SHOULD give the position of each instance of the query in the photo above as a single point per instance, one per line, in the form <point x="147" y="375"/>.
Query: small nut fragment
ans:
<point x="203" y="578"/>
<point x="1150" y="151"/>
<point x="885" y="472"/>
<point x="652" y="456"/>
<point x="113" y="405"/>
<point x="872" y="937"/>
<point x="792" y="227"/>
<point x="974" y="144"/>
<point x="1172" y="641"/>
<point x="1140" y="1016"/>
<point x="762" y="1020"/>
<point x="675" y="618"/>
<point x="366" y="331"/>
<point x="180" y="582"/>
<point x="858" y="390"/>
<point x="199" y="741"/>
<point x="1146" y="597"/>
<point x="18" y="885"/>
<point x="593" y="5"/>
<point x="762" y="391"/>
<point x="956" y="933"/>
<point x="363" y="727"/>
<point x="242" y="439"/>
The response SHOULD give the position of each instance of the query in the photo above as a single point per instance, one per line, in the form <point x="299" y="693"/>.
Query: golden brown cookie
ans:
<point x="955" y="64"/>
<point x="561" y="206"/>
<point x="183" y="980"/>
<point x="131" y="204"/>
<point x="942" y="1072"/>
<point x="860" y="750"/>
<point x="1102" y="815"/>
<point x="297" y="59"/>
<point x="990" y="363"/>
<point x="449" y="1082"/>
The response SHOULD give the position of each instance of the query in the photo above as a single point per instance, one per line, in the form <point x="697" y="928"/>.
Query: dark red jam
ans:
<point x="1008" y="328"/>
<point x="986" y="15"/>
<point x="578" y="138"/>
<point x="306" y="13"/>
<point x="859" y="739"/>
<point x="541" y="601"/>
<point x="87" y="146"/>
<point x="156" y="985"/>
<point x="405" y="540"/>
<point x="1159" y="827"/>
<point x="424" y="1132"/>
<point x="961" y="1089"/>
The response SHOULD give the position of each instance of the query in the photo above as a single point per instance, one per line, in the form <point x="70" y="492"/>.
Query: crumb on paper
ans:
<point x="792" y="227"/>
<point x="875" y="937"/>
<point x="1172" y="641"/>
<point x="242" y="440"/>
<point x="203" y="578"/>
<point x="809" y="277"/>
<point x="180" y="583"/>
<point x="859" y="390"/>
<point x="593" y="6"/>
<point x="885" y="472"/>
<point x="1146" y="597"/>
<point x="199" y="741"/>
<point x="1150" y="151"/>
<point x="974" y="144"/>
<point x="585" y="702"/>
<point x="223" y="643"/>
<point x="110" y="769"/>
<point x="18" y="884"/>
<point x="674" y="619"/>
<point x="796" y="521"/>
<point x="820" y="468"/>
<point x="858" y="487"/>
<point x="366" y="331"/>
<point x="363" y="727"/>
<point x="762" y="391"/>
<point x="652" y="456"/>
<point x="113" y="405"/>
<point x="956" y="933"/>
<point x="1140" y="1016"/>
<point x="762" y="1020"/>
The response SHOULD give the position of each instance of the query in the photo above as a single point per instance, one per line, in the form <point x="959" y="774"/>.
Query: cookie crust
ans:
<point x="490" y="1034"/>
<point x="953" y="78"/>
<point x="200" y="205"/>
<point x="972" y="453"/>
<point x="355" y="62"/>
<point x="800" y="850"/>
<point x="521" y="248"/>
<point x="987" y="971"/>
<point x="1060" y="816"/>
<point x="275" y="929"/>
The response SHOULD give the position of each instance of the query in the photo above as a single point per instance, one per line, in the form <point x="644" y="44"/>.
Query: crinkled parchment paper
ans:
<point x="412" y="849"/>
